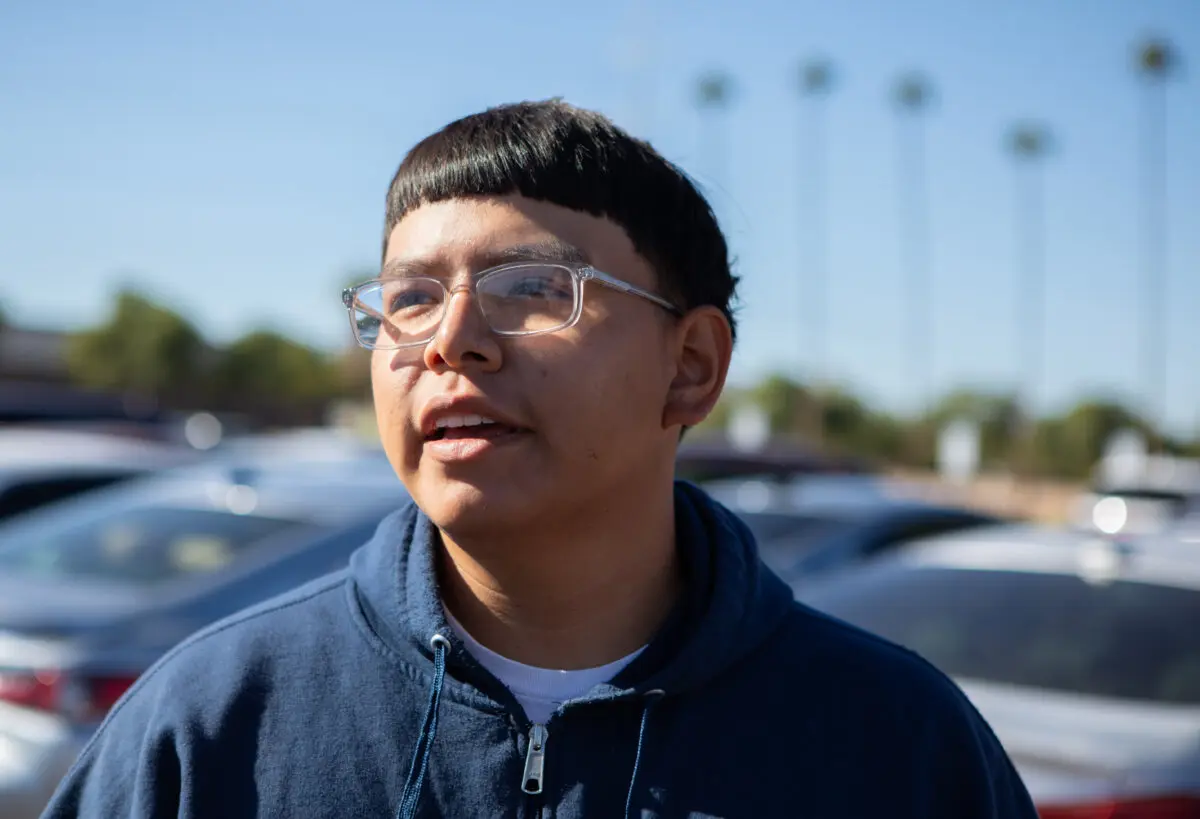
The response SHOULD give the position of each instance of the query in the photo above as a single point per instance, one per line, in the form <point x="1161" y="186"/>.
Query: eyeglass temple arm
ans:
<point x="631" y="289"/>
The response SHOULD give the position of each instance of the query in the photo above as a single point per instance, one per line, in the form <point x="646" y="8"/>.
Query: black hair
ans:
<point x="578" y="159"/>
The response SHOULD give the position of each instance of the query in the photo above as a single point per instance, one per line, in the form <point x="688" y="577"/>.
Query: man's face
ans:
<point x="580" y="411"/>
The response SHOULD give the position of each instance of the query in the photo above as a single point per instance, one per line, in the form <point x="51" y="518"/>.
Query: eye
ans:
<point x="407" y="299"/>
<point x="539" y="287"/>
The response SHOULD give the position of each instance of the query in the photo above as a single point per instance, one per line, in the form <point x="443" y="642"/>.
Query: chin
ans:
<point x="469" y="510"/>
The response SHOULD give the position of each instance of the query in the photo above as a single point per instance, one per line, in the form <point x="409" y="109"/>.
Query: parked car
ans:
<point x="95" y="589"/>
<point x="42" y="465"/>
<point x="826" y="523"/>
<point x="1154" y="497"/>
<point x="32" y="402"/>
<point x="1135" y="510"/>
<point x="1082" y="652"/>
<point x="701" y="461"/>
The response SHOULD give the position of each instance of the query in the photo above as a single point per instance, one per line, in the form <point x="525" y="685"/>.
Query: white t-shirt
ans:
<point x="539" y="690"/>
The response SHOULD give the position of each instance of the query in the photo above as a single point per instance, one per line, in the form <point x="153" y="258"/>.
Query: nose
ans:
<point x="463" y="338"/>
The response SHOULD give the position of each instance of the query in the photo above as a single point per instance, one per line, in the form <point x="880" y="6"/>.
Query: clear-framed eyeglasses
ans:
<point x="518" y="299"/>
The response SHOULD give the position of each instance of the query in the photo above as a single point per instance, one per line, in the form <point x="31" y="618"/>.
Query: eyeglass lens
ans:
<point x="514" y="300"/>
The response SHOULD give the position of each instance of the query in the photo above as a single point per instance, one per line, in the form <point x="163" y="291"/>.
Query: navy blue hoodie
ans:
<point x="352" y="697"/>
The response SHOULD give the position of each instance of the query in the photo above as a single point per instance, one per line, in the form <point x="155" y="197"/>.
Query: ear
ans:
<point x="703" y="346"/>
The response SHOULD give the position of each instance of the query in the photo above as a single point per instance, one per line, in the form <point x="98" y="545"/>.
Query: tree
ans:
<point x="717" y="421"/>
<point x="1086" y="430"/>
<point x="784" y="401"/>
<point x="265" y="368"/>
<point x="143" y="348"/>
<point x="851" y="427"/>
<point x="997" y="415"/>
<point x="353" y="368"/>
<point x="887" y="438"/>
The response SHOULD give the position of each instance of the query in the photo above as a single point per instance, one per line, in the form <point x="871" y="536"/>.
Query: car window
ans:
<point x="1123" y="639"/>
<point x="920" y="527"/>
<point x="30" y="494"/>
<point x="783" y="542"/>
<point x="1139" y="511"/>
<point x="797" y="532"/>
<point x="143" y="546"/>
<point x="325" y="552"/>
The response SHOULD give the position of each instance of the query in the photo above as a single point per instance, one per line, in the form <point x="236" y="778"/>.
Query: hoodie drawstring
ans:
<point x="424" y="746"/>
<point x="652" y="699"/>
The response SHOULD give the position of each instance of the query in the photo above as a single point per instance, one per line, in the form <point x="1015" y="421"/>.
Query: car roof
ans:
<point x="1161" y="559"/>
<point x="826" y="496"/>
<point x="323" y="444"/>
<point x="316" y="490"/>
<point x="779" y="460"/>
<point x="31" y="449"/>
<point x="321" y="488"/>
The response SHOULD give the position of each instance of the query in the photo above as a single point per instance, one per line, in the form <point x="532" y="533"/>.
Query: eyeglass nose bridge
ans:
<point x="472" y="294"/>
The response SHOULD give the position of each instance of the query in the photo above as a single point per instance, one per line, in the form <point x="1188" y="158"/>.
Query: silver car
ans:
<point x="1082" y="652"/>
<point x="95" y="589"/>
<point x="41" y="465"/>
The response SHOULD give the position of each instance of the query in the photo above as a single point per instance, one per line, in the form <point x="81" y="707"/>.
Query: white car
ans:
<point x="1082" y="652"/>
<point x="96" y="588"/>
<point x="1154" y="498"/>
<point x="40" y="465"/>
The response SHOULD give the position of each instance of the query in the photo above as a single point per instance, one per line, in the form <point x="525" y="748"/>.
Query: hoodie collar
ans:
<point x="729" y="606"/>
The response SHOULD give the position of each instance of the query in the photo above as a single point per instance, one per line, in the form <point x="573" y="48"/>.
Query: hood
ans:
<point x="64" y="607"/>
<point x="729" y="606"/>
<point x="1073" y="746"/>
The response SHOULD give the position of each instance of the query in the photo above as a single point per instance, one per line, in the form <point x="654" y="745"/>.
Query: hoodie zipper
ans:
<point x="535" y="759"/>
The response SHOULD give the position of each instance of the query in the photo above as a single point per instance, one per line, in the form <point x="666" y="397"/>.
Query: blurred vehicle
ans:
<point x="97" y="588"/>
<point x="829" y="522"/>
<point x="1135" y="510"/>
<point x="25" y="402"/>
<point x="1152" y="497"/>
<point x="1082" y="652"/>
<point x="703" y="461"/>
<point x="42" y="465"/>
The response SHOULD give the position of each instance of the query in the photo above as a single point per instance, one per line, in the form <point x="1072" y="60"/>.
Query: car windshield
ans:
<point x="783" y="539"/>
<point x="142" y="546"/>
<point x="798" y="532"/>
<point x="1122" y="639"/>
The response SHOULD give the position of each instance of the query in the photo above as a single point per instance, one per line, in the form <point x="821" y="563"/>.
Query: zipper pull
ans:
<point x="535" y="759"/>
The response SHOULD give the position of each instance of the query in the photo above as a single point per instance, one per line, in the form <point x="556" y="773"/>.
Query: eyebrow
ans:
<point x="550" y="250"/>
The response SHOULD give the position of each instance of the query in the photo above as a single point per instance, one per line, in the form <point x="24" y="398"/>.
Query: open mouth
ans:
<point x="470" y="426"/>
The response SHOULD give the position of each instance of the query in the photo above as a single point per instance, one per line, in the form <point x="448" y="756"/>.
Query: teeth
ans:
<point x="453" y="421"/>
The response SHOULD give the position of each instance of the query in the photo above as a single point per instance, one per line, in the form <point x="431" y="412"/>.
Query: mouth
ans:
<point x="470" y="427"/>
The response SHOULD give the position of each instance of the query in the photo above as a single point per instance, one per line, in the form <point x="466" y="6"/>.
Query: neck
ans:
<point x="582" y="596"/>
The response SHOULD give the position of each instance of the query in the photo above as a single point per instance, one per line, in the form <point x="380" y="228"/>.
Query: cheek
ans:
<point x="392" y="390"/>
<point x="605" y="396"/>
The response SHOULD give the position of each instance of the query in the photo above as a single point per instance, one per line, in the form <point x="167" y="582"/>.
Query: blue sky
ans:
<point x="232" y="158"/>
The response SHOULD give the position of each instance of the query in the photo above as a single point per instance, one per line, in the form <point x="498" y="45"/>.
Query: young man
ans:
<point x="556" y="628"/>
